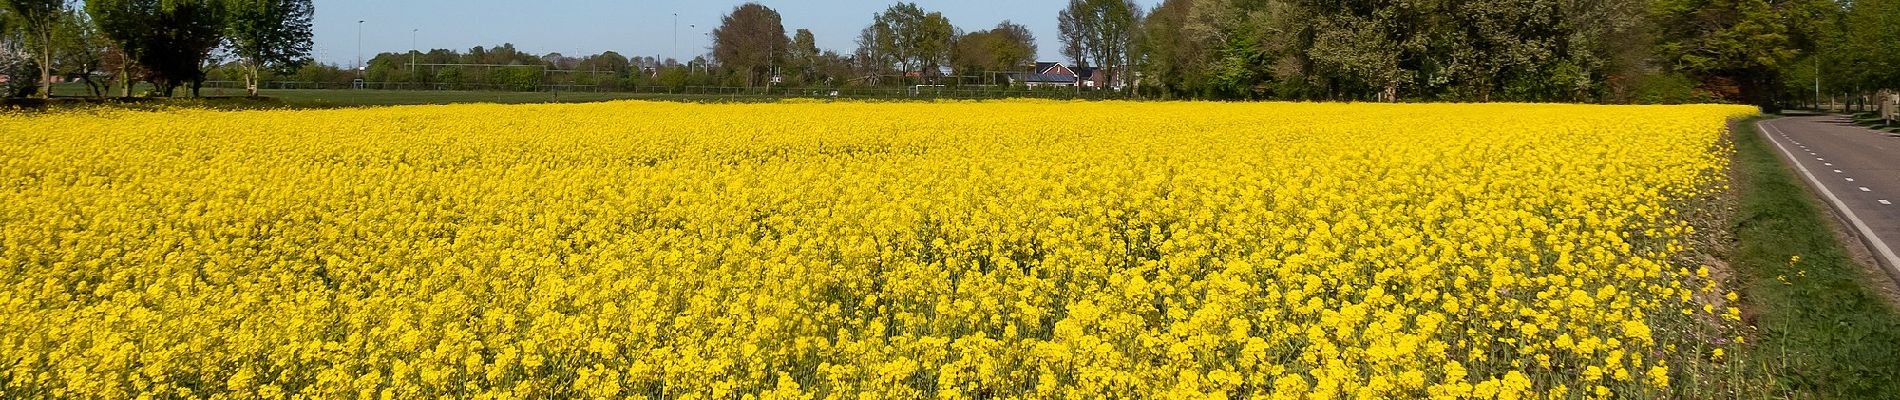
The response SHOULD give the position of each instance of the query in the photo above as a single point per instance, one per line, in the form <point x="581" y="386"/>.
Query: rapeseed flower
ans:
<point x="857" y="250"/>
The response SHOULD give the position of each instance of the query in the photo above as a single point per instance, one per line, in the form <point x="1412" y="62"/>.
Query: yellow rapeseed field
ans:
<point x="1020" y="249"/>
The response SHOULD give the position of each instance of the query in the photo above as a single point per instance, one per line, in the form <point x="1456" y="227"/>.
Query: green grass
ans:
<point x="1824" y="333"/>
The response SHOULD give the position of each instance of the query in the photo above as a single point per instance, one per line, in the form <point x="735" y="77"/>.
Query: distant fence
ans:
<point x="293" y="85"/>
<point x="973" y="92"/>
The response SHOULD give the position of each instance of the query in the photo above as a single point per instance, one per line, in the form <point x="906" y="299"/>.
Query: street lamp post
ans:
<point x="359" y="48"/>
<point x="676" y="35"/>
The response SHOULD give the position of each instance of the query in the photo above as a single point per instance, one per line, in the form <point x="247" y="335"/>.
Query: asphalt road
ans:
<point x="1856" y="170"/>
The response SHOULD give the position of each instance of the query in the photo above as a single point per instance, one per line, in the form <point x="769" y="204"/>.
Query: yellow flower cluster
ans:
<point x="1020" y="249"/>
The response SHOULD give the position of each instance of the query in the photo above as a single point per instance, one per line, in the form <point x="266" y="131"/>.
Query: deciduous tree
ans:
<point x="268" y="35"/>
<point x="170" y="39"/>
<point x="39" y="18"/>
<point x="803" y="55"/>
<point x="751" y="39"/>
<point x="908" y="37"/>
<point x="125" y="23"/>
<point x="1003" y="48"/>
<point x="1099" y="33"/>
<point x="1870" y="47"/>
<point x="82" y="50"/>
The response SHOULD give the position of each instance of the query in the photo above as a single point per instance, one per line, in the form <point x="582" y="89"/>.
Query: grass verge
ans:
<point x="1822" y="332"/>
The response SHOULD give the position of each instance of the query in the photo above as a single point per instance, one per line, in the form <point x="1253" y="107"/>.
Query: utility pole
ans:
<point x="676" y="35"/>
<point x="1817" y="81"/>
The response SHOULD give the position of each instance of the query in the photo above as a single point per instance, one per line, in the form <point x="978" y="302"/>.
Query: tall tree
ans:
<point x="1232" y="49"/>
<point x="1075" y="31"/>
<point x="803" y="55"/>
<point x="169" y="39"/>
<point x="751" y="39"/>
<point x="1013" y="46"/>
<point x="82" y="50"/>
<point x="1870" y="47"/>
<point x="268" y="34"/>
<point x="124" y="23"/>
<point x="40" y="18"/>
<point x="16" y="62"/>
<point x="1003" y="48"/>
<point x="1175" y="58"/>
<point x="1242" y="45"/>
<point x="1099" y="33"/>
<point x="973" y="52"/>
<point x="877" y="50"/>
<point x="189" y="31"/>
<point x="907" y="36"/>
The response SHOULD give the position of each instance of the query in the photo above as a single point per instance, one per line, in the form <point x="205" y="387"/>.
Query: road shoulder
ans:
<point x="1821" y="328"/>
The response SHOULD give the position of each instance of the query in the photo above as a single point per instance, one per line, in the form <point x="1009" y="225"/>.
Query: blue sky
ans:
<point x="638" y="27"/>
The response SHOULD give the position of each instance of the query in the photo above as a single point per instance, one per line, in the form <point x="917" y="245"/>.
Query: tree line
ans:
<point x="1499" y="50"/>
<point x="1764" y="52"/>
<point x="167" y="43"/>
<point x="1770" y="53"/>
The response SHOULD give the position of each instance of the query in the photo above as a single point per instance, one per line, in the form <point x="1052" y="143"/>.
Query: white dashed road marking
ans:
<point x="1886" y="203"/>
<point x="1865" y="189"/>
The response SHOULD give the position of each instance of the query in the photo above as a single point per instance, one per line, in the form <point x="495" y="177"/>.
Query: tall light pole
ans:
<point x="676" y="35"/>
<point x="359" y="47"/>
